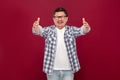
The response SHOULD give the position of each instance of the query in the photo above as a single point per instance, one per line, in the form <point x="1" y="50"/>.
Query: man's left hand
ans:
<point x="86" y="25"/>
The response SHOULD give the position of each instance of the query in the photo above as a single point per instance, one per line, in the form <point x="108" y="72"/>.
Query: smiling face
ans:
<point x="60" y="19"/>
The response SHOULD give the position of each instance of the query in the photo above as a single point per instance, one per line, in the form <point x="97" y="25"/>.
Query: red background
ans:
<point x="21" y="52"/>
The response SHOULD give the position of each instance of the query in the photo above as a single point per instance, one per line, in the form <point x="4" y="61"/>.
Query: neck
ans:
<point x="60" y="27"/>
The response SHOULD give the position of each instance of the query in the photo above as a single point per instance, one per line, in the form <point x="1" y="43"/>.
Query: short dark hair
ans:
<point x="61" y="9"/>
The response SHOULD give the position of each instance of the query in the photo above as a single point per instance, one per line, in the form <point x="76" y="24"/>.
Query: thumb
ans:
<point x="83" y="19"/>
<point x="38" y="19"/>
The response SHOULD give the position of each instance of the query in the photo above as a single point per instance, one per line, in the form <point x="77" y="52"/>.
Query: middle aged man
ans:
<point x="60" y="57"/>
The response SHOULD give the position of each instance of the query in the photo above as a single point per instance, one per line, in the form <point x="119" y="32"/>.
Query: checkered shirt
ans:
<point x="50" y="35"/>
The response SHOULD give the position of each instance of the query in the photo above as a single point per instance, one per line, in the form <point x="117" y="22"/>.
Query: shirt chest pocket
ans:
<point x="70" y="38"/>
<point x="51" y="38"/>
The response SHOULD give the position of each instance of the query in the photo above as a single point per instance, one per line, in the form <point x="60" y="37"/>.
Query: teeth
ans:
<point x="59" y="22"/>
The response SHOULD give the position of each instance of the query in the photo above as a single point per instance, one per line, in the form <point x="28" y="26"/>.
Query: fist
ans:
<point x="86" y="25"/>
<point x="36" y="23"/>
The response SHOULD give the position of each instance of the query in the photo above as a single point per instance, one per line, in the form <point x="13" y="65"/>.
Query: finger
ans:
<point x="86" y="24"/>
<point x="83" y="19"/>
<point x="38" y="19"/>
<point x="35" y="23"/>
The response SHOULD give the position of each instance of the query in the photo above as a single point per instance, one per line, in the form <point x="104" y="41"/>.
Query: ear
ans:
<point x="53" y="18"/>
<point x="66" y="18"/>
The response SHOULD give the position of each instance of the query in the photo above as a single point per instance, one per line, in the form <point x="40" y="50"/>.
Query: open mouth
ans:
<point x="59" y="22"/>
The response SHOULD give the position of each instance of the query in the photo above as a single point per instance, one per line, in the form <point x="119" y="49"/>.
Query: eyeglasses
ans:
<point x="59" y="17"/>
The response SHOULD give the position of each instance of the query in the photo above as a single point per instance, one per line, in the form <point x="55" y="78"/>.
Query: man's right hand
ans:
<point x="36" y="23"/>
<point x="35" y="26"/>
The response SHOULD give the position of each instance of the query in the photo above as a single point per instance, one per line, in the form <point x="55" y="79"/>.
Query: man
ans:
<point x="60" y="57"/>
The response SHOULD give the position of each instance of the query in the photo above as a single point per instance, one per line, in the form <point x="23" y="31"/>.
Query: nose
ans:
<point x="59" y="18"/>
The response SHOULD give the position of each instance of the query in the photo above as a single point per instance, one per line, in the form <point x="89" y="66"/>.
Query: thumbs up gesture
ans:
<point x="35" y="26"/>
<point x="36" y="23"/>
<point x="86" y="25"/>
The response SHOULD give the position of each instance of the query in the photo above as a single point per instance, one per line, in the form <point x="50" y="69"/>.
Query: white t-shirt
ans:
<point x="61" y="57"/>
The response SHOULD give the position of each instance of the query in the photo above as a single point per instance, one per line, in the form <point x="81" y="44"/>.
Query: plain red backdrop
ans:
<point x="21" y="52"/>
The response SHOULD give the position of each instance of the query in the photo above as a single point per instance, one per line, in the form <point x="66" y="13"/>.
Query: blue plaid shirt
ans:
<point x="50" y="35"/>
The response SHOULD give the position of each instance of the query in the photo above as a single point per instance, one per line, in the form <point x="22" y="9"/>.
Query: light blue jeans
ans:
<point x="61" y="75"/>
